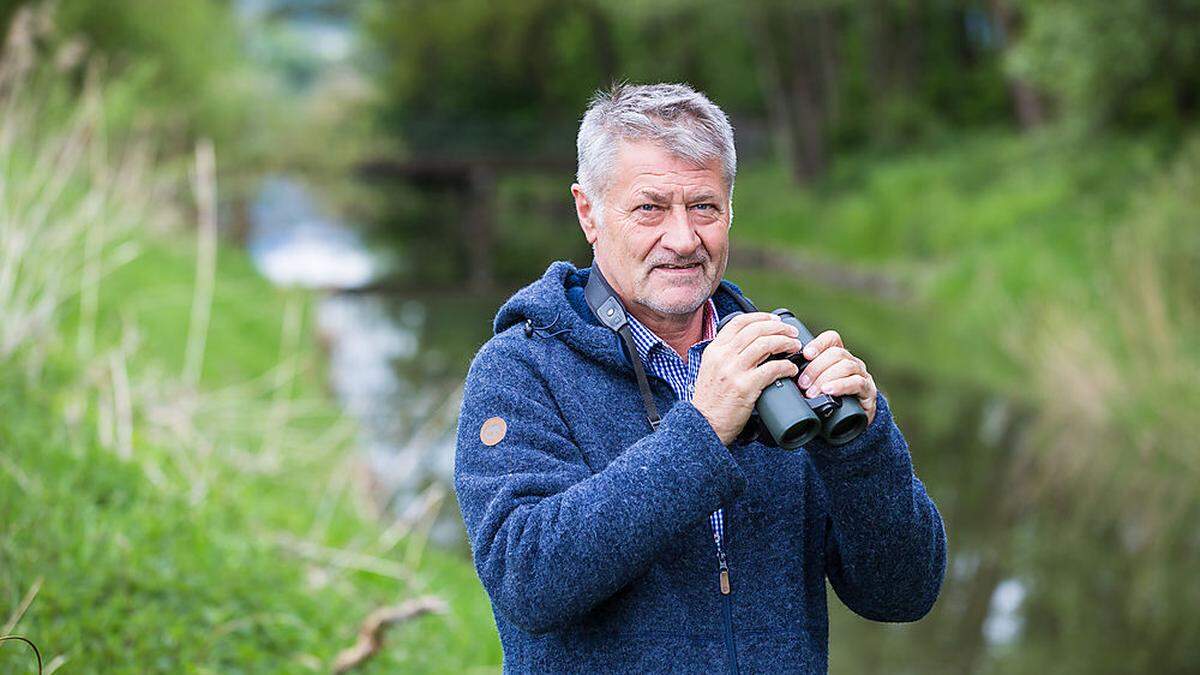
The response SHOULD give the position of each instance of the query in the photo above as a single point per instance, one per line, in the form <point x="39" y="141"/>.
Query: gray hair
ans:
<point x="673" y="116"/>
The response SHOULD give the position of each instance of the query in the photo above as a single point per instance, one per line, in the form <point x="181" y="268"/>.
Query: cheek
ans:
<point x="715" y="237"/>
<point x="632" y="245"/>
<point x="640" y="241"/>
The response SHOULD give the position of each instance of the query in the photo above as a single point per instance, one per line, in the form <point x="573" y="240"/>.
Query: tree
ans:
<point x="1124" y="63"/>
<point x="475" y="77"/>
<point x="1027" y="102"/>
<point x="798" y="62"/>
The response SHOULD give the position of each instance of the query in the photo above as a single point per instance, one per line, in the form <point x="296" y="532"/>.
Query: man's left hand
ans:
<point x="835" y="371"/>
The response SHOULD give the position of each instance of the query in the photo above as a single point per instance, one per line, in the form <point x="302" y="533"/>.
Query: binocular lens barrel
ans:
<point x="846" y="424"/>
<point x="786" y="415"/>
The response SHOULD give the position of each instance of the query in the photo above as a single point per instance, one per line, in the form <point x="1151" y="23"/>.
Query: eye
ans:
<point x="707" y="207"/>
<point x="648" y="207"/>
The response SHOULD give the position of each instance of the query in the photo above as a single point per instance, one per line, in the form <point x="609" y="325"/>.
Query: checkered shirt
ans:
<point x="660" y="359"/>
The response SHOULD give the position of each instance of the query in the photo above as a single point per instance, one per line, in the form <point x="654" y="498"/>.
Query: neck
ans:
<point x="680" y="331"/>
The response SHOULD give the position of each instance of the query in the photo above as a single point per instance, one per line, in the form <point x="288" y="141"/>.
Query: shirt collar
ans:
<point x="646" y="340"/>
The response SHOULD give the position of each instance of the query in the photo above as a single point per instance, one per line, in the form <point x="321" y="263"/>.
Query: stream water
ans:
<point x="402" y="390"/>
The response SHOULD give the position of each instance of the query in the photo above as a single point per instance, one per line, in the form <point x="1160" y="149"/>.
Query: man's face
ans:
<point x="664" y="241"/>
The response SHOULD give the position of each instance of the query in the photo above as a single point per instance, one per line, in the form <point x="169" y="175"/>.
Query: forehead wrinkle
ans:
<point x="653" y="195"/>
<point x="671" y="187"/>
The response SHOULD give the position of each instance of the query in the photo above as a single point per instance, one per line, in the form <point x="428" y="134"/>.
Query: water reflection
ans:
<point x="1003" y="624"/>
<point x="403" y="392"/>
<point x="294" y="242"/>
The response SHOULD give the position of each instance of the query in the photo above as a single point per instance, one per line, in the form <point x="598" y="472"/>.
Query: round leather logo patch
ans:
<point x="493" y="430"/>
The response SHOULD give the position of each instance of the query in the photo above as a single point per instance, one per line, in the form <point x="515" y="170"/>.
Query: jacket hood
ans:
<point x="555" y="306"/>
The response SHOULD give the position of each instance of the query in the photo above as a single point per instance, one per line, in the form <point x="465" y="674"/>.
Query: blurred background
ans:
<point x="249" y="247"/>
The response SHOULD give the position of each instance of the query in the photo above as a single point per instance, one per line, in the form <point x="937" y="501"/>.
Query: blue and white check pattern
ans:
<point x="659" y="359"/>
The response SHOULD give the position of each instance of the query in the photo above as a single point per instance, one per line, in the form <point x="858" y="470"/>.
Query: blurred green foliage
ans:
<point x="182" y="63"/>
<point x="473" y="74"/>
<point x="1124" y="63"/>
<point x="467" y="76"/>
<point x="473" y="77"/>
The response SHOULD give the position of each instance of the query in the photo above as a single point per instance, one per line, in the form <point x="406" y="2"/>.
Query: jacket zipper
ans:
<point x="726" y="603"/>
<point x="723" y="576"/>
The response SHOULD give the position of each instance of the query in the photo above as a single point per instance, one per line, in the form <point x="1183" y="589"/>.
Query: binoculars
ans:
<point x="792" y="419"/>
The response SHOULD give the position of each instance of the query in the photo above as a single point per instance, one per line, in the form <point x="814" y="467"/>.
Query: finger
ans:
<point x="854" y="385"/>
<point x="820" y="343"/>
<point x="763" y="376"/>
<point x="737" y="323"/>
<point x="826" y="359"/>
<point x="841" y="369"/>
<point x="741" y="341"/>
<point x="765" y="346"/>
<point x="726" y="338"/>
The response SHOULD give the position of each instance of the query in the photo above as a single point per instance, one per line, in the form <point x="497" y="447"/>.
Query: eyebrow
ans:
<point x="659" y="197"/>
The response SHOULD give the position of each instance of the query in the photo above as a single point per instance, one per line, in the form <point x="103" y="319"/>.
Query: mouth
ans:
<point x="678" y="269"/>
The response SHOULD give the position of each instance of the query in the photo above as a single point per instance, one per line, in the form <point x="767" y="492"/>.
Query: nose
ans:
<point x="679" y="235"/>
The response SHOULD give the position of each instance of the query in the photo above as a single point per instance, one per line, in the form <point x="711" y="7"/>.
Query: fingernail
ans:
<point x="804" y="381"/>
<point x="810" y="351"/>
<point x="811" y="393"/>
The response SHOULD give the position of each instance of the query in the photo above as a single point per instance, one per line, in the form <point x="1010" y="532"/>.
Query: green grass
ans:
<point x="943" y="201"/>
<point x="150" y="523"/>
<point x="137" y="576"/>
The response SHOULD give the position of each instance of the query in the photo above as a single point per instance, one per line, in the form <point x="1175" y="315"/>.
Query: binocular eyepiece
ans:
<point x="792" y="419"/>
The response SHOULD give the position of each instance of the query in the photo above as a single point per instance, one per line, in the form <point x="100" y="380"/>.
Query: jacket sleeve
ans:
<point x="885" y="541"/>
<point x="550" y="538"/>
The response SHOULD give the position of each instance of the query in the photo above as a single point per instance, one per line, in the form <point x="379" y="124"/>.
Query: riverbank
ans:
<point x="179" y="492"/>
<point x="238" y="544"/>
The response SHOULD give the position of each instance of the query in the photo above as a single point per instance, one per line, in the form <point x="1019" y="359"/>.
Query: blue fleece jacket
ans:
<point x="590" y="532"/>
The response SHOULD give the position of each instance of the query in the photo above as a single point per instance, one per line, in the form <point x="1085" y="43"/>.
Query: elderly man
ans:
<point x="620" y="518"/>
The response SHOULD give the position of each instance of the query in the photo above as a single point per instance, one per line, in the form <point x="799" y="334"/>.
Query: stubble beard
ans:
<point x="702" y="290"/>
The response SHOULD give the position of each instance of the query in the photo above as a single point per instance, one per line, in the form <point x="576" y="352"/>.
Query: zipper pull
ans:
<point x="722" y="563"/>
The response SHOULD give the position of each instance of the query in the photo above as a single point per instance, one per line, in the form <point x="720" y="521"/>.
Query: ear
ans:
<point x="585" y="210"/>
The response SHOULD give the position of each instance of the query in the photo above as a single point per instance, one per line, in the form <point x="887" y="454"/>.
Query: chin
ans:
<point x="675" y="303"/>
<point x="672" y="296"/>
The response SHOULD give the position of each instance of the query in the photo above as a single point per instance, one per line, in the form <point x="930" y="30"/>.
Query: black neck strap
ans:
<point x="607" y="307"/>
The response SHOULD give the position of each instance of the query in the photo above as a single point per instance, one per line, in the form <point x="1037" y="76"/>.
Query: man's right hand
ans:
<point x="734" y="369"/>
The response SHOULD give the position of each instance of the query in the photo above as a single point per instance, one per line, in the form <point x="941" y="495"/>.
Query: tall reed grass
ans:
<point x="1109" y="545"/>
<point x="177" y="490"/>
<point x="1115" y="371"/>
